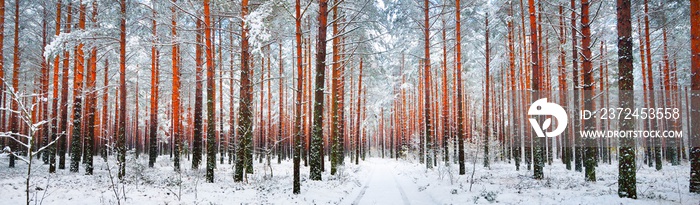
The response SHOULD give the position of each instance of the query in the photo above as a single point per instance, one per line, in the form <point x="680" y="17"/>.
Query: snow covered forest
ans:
<point x="349" y="101"/>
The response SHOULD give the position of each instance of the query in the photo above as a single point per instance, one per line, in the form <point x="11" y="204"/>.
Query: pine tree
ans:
<point x="121" y="130"/>
<point x="176" y="95"/>
<point x="576" y="122"/>
<point x="220" y="134"/>
<point x="589" y="145"/>
<point x="14" y="117"/>
<point x="445" y="106"/>
<point x="460" y="121"/>
<point x="153" y="127"/>
<point x="538" y="153"/>
<point x="104" y="126"/>
<point x="487" y="132"/>
<point x="261" y="123"/>
<point x="197" y="135"/>
<point x="427" y="84"/>
<point x="91" y="102"/>
<point x="336" y="117"/>
<point x="297" y="111"/>
<point x="282" y="118"/>
<point x="55" y="114"/>
<point x="44" y="88"/>
<point x="3" y="123"/>
<point x="358" y="145"/>
<point x="512" y="99"/>
<point x="232" y="118"/>
<point x="650" y="86"/>
<point x="316" y="154"/>
<point x="565" y="138"/>
<point x="695" y="116"/>
<point x="627" y="166"/>
<point x="245" y="108"/>
<point x="78" y="75"/>
<point x="211" y="141"/>
<point x="671" y="148"/>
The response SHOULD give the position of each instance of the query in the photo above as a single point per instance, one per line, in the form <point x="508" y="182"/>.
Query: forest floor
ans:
<point x="375" y="181"/>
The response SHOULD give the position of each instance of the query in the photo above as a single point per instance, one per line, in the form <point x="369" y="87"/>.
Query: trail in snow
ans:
<point x="362" y="192"/>
<point x="385" y="186"/>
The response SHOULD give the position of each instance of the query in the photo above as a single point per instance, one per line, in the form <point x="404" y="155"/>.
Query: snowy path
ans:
<point x="385" y="186"/>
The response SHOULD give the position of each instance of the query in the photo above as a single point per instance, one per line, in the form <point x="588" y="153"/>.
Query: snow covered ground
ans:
<point x="375" y="181"/>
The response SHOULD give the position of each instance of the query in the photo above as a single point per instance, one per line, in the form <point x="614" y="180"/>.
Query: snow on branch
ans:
<point x="23" y="113"/>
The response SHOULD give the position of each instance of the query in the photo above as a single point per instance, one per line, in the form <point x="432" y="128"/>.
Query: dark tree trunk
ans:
<point x="627" y="168"/>
<point x="316" y="153"/>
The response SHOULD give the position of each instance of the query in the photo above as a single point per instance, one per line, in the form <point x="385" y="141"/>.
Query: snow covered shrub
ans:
<point x="490" y="196"/>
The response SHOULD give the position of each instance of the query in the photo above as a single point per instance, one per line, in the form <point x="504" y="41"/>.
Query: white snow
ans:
<point x="375" y="181"/>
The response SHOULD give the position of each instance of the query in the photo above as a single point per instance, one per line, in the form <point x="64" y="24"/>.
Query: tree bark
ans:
<point x="91" y="102"/>
<point x="56" y="112"/>
<point x="460" y="104"/>
<point x="589" y="145"/>
<point x="650" y="87"/>
<point x="3" y="124"/>
<point x="538" y="161"/>
<point x="316" y="154"/>
<point x="198" y="115"/>
<point x="487" y="92"/>
<point x="695" y="116"/>
<point x="153" y="130"/>
<point x="121" y="130"/>
<point x="426" y="92"/>
<point x="14" y="117"/>
<point x="211" y="91"/>
<point x="245" y="109"/>
<point x="297" y="110"/>
<point x="78" y="75"/>
<point x="627" y="166"/>
<point x="176" y="94"/>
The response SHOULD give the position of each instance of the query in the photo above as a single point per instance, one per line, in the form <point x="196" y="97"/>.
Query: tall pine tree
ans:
<point x="627" y="167"/>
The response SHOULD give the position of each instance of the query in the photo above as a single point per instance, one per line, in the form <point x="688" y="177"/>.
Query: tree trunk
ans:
<point x="176" y="95"/>
<point x="153" y="130"/>
<point x="426" y="91"/>
<point x="14" y="117"/>
<point x="336" y="126"/>
<point x="589" y="145"/>
<point x="538" y="161"/>
<point x="91" y="102"/>
<point x="198" y="115"/>
<point x="576" y="122"/>
<point x="78" y="75"/>
<point x="650" y="87"/>
<point x="460" y="104"/>
<point x="316" y="154"/>
<point x="3" y="124"/>
<point x="43" y="133"/>
<point x="245" y="109"/>
<point x="232" y="125"/>
<point x="565" y="139"/>
<point x="55" y="114"/>
<point x="282" y="119"/>
<point x="121" y="130"/>
<point x="359" y="117"/>
<point x="627" y="166"/>
<point x="512" y="99"/>
<point x="211" y="138"/>
<point x="487" y="91"/>
<point x="695" y="116"/>
<point x="297" y="110"/>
